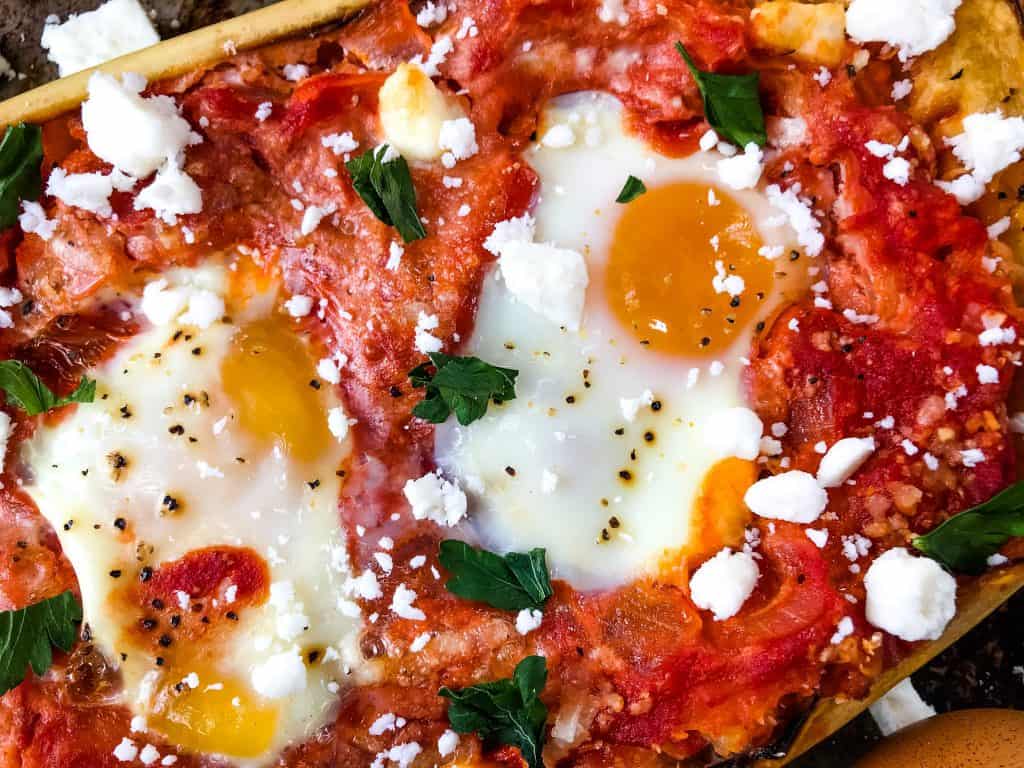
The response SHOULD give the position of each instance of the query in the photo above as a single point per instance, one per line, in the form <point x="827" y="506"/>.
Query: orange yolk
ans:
<point x="225" y="719"/>
<point x="267" y="376"/>
<point x="719" y="514"/>
<point x="661" y="265"/>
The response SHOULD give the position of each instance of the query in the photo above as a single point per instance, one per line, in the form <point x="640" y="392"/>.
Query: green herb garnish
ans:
<point x="505" y="712"/>
<point x="966" y="540"/>
<point x="386" y="187"/>
<point x="732" y="105"/>
<point x="27" y="391"/>
<point x="631" y="190"/>
<point x="21" y="152"/>
<point x="27" y="637"/>
<point x="464" y="385"/>
<point x="511" y="582"/>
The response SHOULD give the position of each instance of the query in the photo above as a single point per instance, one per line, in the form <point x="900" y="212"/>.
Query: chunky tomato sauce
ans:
<point x="646" y="676"/>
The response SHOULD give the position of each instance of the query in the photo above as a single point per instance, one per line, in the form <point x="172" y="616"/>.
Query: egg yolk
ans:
<point x="221" y="716"/>
<point x="719" y="514"/>
<point x="267" y="375"/>
<point x="662" y="265"/>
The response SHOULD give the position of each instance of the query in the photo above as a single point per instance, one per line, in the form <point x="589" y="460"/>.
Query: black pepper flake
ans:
<point x="912" y="213"/>
<point x="632" y="455"/>
<point x="812" y="379"/>
<point x="145" y="574"/>
<point x="705" y="341"/>
<point x="157" y="603"/>
<point x="604" y="502"/>
<point x="794" y="255"/>
<point x="312" y="656"/>
<point x="68" y="524"/>
<point x="197" y="351"/>
<point x="171" y="503"/>
<point x="314" y="484"/>
<point x="197" y="607"/>
<point x="620" y="431"/>
<point x="1020" y="192"/>
<point x="605" y="536"/>
<point x="656" y="405"/>
<point x="395" y="391"/>
<point x="22" y="545"/>
<point x="205" y="619"/>
<point x="176" y="621"/>
<point x="649" y="437"/>
<point x="188" y="399"/>
<point x="958" y="74"/>
<point x="120" y="523"/>
<point x="116" y="573"/>
<point x="126" y="412"/>
<point x="625" y="474"/>
<point x="148" y="624"/>
<point x="847" y="348"/>
<point x="734" y="302"/>
<point x="340" y="473"/>
<point x="570" y="399"/>
<point x="851" y="71"/>
<point x="165" y="641"/>
<point x="159" y="661"/>
<point x="759" y="326"/>
<point x="85" y="473"/>
<point x="232" y="615"/>
<point x="177" y="335"/>
<point x="27" y="307"/>
<point x="124" y="657"/>
<point x="176" y="429"/>
<point x="613" y="522"/>
<point x="510" y="471"/>
<point x="314" y="383"/>
<point x="801" y="578"/>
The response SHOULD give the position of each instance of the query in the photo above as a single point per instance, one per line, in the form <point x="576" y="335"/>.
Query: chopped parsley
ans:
<point x="386" y="187"/>
<point x="27" y="391"/>
<point x="732" y="104"/>
<point x="21" y="153"/>
<point x="28" y="636"/>
<point x="965" y="541"/>
<point x="463" y="385"/>
<point x="504" y="712"/>
<point x="631" y="190"/>
<point x="511" y="582"/>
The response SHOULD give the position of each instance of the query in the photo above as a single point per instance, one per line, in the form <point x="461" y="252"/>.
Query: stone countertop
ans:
<point x="985" y="669"/>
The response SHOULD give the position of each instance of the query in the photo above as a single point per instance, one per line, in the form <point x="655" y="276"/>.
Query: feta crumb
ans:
<point x="817" y="535"/>
<point x="295" y="72"/>
<point x="897" y="170"/>
<point x="458" y="137"/>
<point x="395" y="252"/>
<point x="439" y="51"/>
<point x="138" y="724"/>
<point x="742" y="171"/>
<point x="339" y="143"/>
<point x="912" y="26"/>
<point x="365" y="586"/>
<point x="313" y="215"/>
<point x="794" y="496"/>
<point x="901" y="89"/>
<point x="281" y="675"/>
<point x="88" y="191"/>
<point x="382" y="724"/>
<point x="33" y="220"/>
<point x="126" y="751"/>
<point x="733" y="432"/>
<point x="987" y="374"/>
<point x="528" y="620"/>
<point x="910" y="597"/>
<point x="900" y="707"/>
<point x="800" y="217"/>
<point x="722" y="282"/>
<point x="431" y="497"/>
<point x="264" y="110"/>
<point x="447" y="743"/>
<point x="431" y="14"/>
<point x="988" y="144"/>
<point x="549" y="280"/>
<point x="709" y="140"/>
<point x="338" y="422"/>
<point x="299" y="305"/>
<point x="843" y="459"/>
<point x="402" y="604"/>
<point x="424" y="341"/>
<point x="723" y="583"/>
<point x="843" y="630"/>
<point x="172" y="193"/>
<point x="149" y="755"/>
<point x="823" y="76"/>
<point x="972" y="457"/>
<point x="519" y="229"/>
<point x="115" y="28"/>
<point x="419" y="642"/>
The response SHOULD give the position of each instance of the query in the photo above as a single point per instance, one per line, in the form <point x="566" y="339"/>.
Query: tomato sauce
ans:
<point x="643" y="674"/>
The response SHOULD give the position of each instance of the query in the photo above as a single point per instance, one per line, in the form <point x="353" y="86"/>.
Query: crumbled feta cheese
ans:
<point x="419" y="642"/>
<point x="365" y="586"/>
<point x="930" y="461"/>
<point x="613" y="10"/>
<point x="313" y="215"/>
<point x="424" y="340"/>
<point x="994" y="561"/>
<point x="900" y="707"/>
<point x="855" y="546"/>
<point x="264" y="110"/>
<point x="897" y="170"/>
<point x="843" y="630"/>
<point x="723" y="583"/>
<point x="138" y="724"/>
<point x="439" y="51"/>
<point x="549" y="280"/>
<point x="800" y="217"/>
<point x="823" y="76"/>
<point x="328" y="370"/>
<point x="134" y="134"/>
<point x="395" y="252"/>
<point x="338" y="422"/>
<point x="528" y="620"/>
<point x="908" y="447"/>
<point x="447" y="743"/>
<point x="794" y="496"/>
<point x="382" y="724"/>
<point x="295" y="72"/>
<point x="733" y="432"/>
<point x="709" y="140"/>
<point x="858" y="319"/>
<point x="402" y="604"/>
<point x="126" y="751"/>
<point x="458" y="136"/>
<point x="742" y="171"/>
<point x="171" y="194"/>
<point x="987" y="374"/>
<point x="431" y="497"/>
<point x="901" y="89"/>
<point x="988" y="144"/>
<point x="339" y="143"/>
<point x="972" y="457"/>
<point x="519" y="229"/>
<point x="817" y="535"/>
<point x="88" y="191"/>
<point x="115" y="28"/>
<point x="281" y="675"/>
<point x="33" y="220"/>
<point x="723" y="282"/>
<point x="912" y="26"/>
<point x="998" y="228"/>
<point x="431" y="14"/>
<point x="843" y="459"/>
<point x="299" y="305"/>
<point x="910" y="597"/>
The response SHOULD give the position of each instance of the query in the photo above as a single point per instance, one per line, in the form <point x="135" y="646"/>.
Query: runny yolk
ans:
<point x="719" y="515"/>
<point x="220" y="716"/>
<point x="663" y="261"/>
<point x="267" y="376"/>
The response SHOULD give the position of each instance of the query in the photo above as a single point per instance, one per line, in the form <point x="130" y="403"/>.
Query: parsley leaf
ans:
<point x="631" y="190"/>
<point x="505" y="712"/>
<point x="386" y="188"/>
<point x="511" y="583"/>
<point x="732" y="105"/>
<point x="966" y="540"/>
<point x="21" y="152"/>
<point x="464" y="385"/>
<point x="27" y="634"/>
<point x="27" y="391"/>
